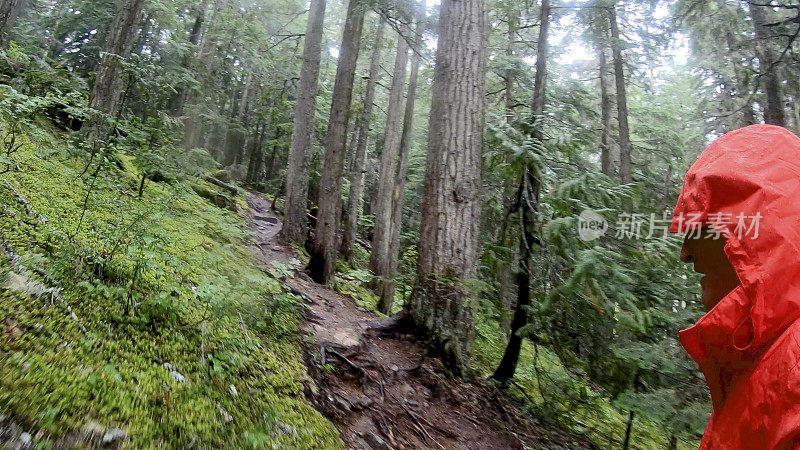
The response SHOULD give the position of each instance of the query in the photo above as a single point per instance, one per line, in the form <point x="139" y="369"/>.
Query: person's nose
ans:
<point x="686" y="253"/>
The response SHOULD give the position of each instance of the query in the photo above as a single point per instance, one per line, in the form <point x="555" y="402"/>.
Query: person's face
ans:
<point x="708" y="257"/>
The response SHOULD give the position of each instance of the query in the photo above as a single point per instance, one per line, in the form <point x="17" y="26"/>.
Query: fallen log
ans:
<point x="217" y="182"/>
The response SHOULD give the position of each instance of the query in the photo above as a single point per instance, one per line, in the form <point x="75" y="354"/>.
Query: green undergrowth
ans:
<point x="561" y="398"/>
<point x="187" y="341"/>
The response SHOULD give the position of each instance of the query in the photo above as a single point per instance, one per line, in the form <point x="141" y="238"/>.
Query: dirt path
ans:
<point x="384" y="392"/>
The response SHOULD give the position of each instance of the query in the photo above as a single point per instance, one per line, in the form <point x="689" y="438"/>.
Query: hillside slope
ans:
<point x="140" y="321"/>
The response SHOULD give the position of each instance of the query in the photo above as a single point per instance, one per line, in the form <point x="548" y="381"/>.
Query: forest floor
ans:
<point x="384" y="391"/>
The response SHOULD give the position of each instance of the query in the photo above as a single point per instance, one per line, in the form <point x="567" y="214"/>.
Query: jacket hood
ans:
<point x="746" y="184"/>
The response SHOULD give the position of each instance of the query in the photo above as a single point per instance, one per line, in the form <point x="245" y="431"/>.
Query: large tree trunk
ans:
<point x="774" y="113"/>
<point x="387" y="297"/>
<point x="107" y="92"/>
<point x="622" y="100"/>
<point x="325" y="249"/>
<point x="526" y="202"/>
<point x="294" y="219"/>
<point x="379" y="261"/>
<point x="448" y="247"/>
<point x="9" y="11"/>
<point x="360" y="155"/>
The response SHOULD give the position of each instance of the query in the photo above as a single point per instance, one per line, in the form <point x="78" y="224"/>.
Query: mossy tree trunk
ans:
<point x="448" y="249"/>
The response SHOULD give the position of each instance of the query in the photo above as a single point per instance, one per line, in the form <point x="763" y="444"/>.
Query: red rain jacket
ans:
<point x="748" y="346"/>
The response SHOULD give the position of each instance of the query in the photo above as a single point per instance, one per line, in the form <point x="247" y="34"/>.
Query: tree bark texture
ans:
<point x="325" y="249"/>
<point x="622" y="100"/>
<point x="380" y="261"/>
<point x="9" y="11"/>
<point x="294" y="219"/>
<point x="356" y="194"/>
<point x="448" y="249"/>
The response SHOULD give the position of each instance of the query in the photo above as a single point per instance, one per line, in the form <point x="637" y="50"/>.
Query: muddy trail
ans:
<point x="383" y="391"/>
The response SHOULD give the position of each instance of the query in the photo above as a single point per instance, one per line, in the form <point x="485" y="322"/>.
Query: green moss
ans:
<point x="166" y="278"/>
<point x="359" y="292"/>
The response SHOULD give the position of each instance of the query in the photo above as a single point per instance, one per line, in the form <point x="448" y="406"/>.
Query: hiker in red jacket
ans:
<point x="745" y="189"/>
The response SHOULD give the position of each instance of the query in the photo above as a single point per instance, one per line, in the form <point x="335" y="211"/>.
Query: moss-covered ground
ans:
<point x="187" y="340"/>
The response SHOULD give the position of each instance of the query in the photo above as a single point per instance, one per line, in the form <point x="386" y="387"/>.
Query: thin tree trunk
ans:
<point x="628" y="429"/>
<point x="106" y="94"/>
<point x="742" y="91"/>
<point x="400" y="179"/>
<point x="193" y="125"/>
<point x="748" y="116"/>
<point x="238" y="136"/>
<point x="257" y="155"/>
<point x="526" y="202"/>
<point x="360" y="155"/>
<point x="178" y="100"/>
<point x="622" y="100"/>
<point x="325" y="250"/>
<point x="448" y="246"/>
<point x="504" y="273"/>
<point x="540" y="78"/>
<point x="294" y="219"/>
<point x="379" y="261"/>
<point x="606" y="159"/>
<point x="528" y="194"/>
<point x="513" y="26"/>
<point x="673" y="443"/>
<point x="9" y="11"/>
<point x="774" y="113"/>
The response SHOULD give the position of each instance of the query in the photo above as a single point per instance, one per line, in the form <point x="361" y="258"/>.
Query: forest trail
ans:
<point x="384" y="391"/>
